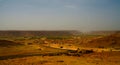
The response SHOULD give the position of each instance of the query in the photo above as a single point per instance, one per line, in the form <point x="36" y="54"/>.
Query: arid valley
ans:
<point x="59" y="32"/>
<point x="59" y="48"/>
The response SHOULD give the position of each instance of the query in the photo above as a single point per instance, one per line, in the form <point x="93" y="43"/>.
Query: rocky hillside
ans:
<point x="112" y="40"/>
<point x="5" y="43"/>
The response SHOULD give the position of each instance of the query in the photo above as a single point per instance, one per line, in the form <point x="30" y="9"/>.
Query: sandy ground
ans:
<point x="104" y="58"/>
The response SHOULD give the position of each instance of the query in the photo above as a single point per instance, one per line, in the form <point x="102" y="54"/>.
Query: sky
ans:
<point x="83" y="15"/>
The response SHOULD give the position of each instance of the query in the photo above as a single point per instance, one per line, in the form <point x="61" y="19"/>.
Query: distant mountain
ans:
<point x="102" y="32"/>
<point x="38" y="33"/>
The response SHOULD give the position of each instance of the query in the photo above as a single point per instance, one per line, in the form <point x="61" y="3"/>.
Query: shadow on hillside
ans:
<point x="67" y="53"/>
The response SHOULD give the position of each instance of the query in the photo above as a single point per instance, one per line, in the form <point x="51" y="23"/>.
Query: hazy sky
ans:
<point x="84" y="15"/>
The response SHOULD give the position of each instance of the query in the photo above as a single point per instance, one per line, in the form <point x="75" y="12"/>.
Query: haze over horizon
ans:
<point x="83" y="15"/>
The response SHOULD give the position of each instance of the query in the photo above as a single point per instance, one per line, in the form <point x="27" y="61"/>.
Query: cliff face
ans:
<point x="37" y="33"/>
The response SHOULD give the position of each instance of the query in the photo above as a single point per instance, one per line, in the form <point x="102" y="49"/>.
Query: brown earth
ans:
<point x="104" y="58"/>
<point x="94" y="58"/>
<point x="6" y="43"/>
<point x="112" y="41"/>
